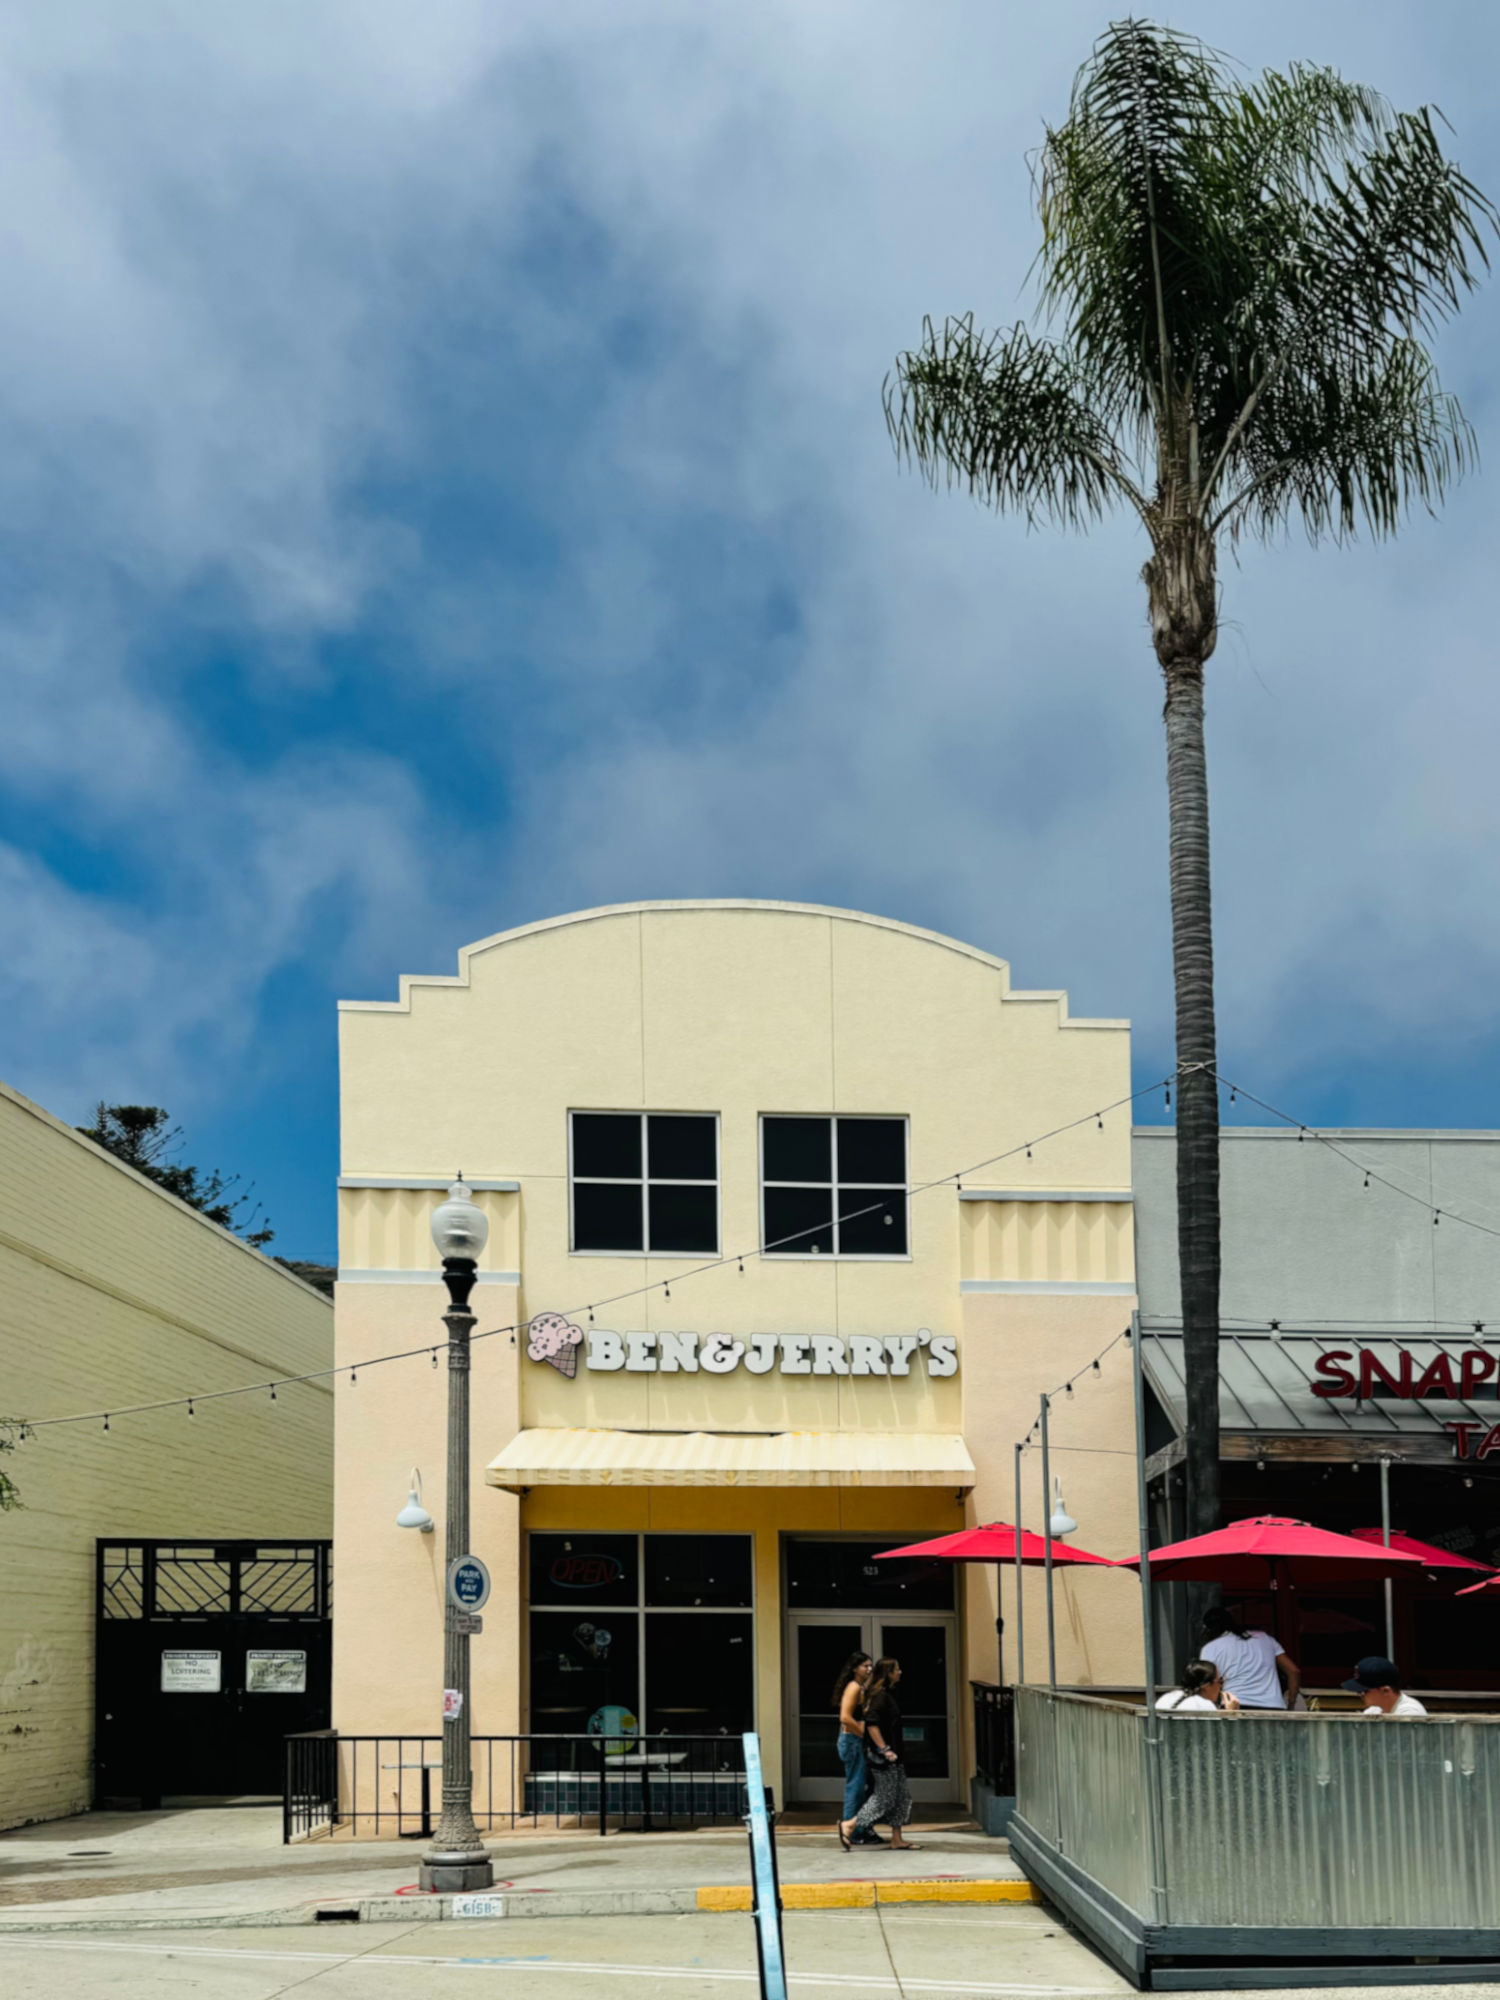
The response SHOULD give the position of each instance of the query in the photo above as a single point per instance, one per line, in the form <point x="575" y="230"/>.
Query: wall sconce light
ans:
<point x="414" y="1514"/>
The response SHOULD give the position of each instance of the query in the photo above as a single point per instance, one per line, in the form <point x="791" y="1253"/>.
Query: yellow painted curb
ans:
<point x="864" y="1895"/>
<point x="956" y="1892"/>
<point x="724" y="1899"/>
<point x="828" y="1895"/>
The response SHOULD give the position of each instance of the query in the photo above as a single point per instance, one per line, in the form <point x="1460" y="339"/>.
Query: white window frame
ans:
<point x="833" y="1186"/>
<point x="645" y="1184"/>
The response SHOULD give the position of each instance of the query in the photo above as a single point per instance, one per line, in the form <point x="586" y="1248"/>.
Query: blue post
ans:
<point x="768" y="1944"/>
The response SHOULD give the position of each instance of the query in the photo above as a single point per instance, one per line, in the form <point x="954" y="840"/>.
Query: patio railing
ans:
<point x="994" y="1736"/>
<point x="390" y="1787"/>
<point x="1281" y="1841"/>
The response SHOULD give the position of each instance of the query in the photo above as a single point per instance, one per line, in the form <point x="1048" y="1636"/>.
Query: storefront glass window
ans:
<point x="585" y="1570"/>
<point x="700" y="1674"/>
<point x="645" y="1181"/>
<point x="834" y="1187"/>
<point x="698" y="1569"/>
<point x="634" y="1626"/>
<point x="828" y="1576"/>
<point x="585" y="1674"/>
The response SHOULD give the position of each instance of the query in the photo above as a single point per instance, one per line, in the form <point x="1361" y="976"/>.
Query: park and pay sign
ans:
<point x="468" y="1584"/>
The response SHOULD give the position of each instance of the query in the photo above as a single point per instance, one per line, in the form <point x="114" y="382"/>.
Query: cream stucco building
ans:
<point x="113" y="1294"/>
<point x="741" y="1328"/>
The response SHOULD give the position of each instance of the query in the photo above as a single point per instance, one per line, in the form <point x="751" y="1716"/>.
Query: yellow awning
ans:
<point x="728" y="1458"/>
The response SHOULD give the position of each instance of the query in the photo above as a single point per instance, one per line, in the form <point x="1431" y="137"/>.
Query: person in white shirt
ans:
<point x="1379" y="1681"/>
<point x="1201" y="1691"/>
<point x="1251" y="1662"/>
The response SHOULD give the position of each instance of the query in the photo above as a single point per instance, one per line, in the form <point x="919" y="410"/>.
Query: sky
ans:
<point x="443" y="483"/>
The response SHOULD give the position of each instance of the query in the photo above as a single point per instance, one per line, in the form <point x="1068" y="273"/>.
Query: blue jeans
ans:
<point x="856" y="1771"/>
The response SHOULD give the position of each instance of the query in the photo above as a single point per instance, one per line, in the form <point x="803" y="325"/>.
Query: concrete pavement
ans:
<point x="866" y="1955"/>
<point x="225" y="1866"/>
<point x="903" y="1953"/>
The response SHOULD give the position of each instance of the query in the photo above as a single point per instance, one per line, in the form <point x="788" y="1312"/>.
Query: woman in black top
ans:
<point x="890" y="1797"/>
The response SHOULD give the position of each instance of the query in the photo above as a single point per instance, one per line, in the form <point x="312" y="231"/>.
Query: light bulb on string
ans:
<point x="106" y="1423"/>
<point x="273" y="1392"/>
<point x="191" y="1411"/>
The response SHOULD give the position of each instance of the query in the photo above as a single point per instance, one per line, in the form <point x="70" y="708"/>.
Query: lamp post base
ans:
<point x="454" y="1873"/>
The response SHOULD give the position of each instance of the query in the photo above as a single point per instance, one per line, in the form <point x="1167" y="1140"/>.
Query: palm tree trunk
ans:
<point x="1197" y="1083"/>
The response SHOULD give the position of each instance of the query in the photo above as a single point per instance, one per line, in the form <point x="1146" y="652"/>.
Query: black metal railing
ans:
<point x="310" y="1788"/>
<point x="995" y="1737"/>
<point x="391" y="1787"/>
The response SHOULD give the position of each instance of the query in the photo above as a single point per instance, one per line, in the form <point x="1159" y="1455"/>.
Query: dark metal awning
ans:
<point x="1267" y="1405"/>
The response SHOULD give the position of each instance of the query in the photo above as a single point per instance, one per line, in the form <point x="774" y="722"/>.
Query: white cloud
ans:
<point x="295" y="293"/>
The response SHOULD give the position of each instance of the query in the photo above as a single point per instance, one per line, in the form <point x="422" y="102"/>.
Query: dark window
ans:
<point x="606" y="1216"/>
<point x="797" y="1149"/>
<point x="583" y="1664"/>
<point x="682" y="1149"/>
<point x="684" y="1219"/>
<point x="584" y="1569"/>
<point x="837" y="1576"/>
<point x="645" y="1181"/>
<point x="799" y="1221"/>
<point x="685" y="1667"/>
<point x="871" y="1222"/>
<point x="607" y="1145"/>
<point x="833" y="1187"/>
<point x="698" y="1569"/>
<point x="700" y="1674"/>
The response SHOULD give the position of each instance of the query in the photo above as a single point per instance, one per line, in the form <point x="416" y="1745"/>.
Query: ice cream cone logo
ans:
<point x="555" y="1340"/>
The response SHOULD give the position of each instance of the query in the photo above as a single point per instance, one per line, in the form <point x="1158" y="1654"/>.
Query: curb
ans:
<point x="865" y="1895"/>
<point x="516" y="1904"/>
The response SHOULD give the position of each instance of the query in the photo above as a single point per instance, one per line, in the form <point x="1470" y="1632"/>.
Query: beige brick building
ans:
<point x="114" y="1293"/>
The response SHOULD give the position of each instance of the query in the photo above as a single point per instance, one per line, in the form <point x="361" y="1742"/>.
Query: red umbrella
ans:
<point x="1427" y="1553"/>
<point x="1472" y="1590"/>
<point x="1249" y="1553"/>
<point x="996" y="1544"/>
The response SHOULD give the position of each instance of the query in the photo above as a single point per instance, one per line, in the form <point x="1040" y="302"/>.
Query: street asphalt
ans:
<point x="879" y="1954"/>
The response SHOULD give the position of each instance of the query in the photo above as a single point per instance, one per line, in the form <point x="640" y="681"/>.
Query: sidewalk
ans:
<point x="219" y="1867"/>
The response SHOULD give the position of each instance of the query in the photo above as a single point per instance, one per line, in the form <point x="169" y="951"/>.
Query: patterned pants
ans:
<point x="889" y="1801"/>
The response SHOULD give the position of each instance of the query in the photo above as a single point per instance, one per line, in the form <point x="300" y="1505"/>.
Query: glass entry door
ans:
<point x="926" y="1644"/>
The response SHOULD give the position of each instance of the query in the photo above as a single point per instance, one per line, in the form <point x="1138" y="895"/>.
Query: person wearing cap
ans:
<point x="1379" y="1681"/>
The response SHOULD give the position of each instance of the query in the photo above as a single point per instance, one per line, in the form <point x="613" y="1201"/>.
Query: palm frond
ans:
<point x="1351" y="448"/>
<point x="1007" y="417"/>
<point x="1118" y="201"/>
<point x="1226" y="265"/>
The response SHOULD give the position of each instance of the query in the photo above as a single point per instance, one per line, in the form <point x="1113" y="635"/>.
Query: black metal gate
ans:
<point x="208" y="1655"/>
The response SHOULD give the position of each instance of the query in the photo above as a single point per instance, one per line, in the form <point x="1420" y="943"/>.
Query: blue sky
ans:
<point x="443" y="483"/>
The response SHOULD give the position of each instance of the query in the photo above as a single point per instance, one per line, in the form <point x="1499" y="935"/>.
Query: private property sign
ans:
<point x="1364" y="1374"/>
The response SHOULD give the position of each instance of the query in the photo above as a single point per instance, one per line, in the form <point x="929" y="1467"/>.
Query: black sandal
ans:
<point x="843" y="1837"/>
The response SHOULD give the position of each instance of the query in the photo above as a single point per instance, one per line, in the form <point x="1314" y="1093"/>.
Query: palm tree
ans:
<point x="1241" y="276"/>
